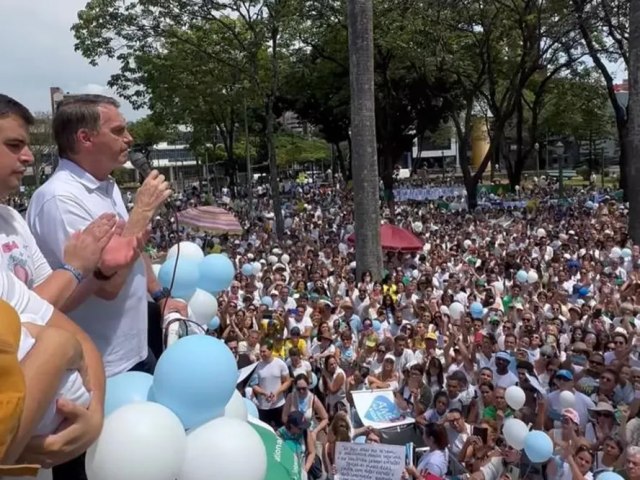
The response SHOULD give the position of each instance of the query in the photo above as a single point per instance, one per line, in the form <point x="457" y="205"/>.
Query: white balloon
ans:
<point x="514" y="432"/>
<point x="285" y="259"/>
<point x="140" y="441"/>
<point x="227" y="446"/>
<point x="204" y="307"/>
<point x="515" y="397"/>
<point x="188" y="251"/>
<point x="257" y="268"/>
<point x="456" y="310"/>
<point x="156" y="269"/>
<point x="272" y="259"/>
<point x="236" y="408"/>
<point x="567" y="400"/>
<point x="532" y="276"/>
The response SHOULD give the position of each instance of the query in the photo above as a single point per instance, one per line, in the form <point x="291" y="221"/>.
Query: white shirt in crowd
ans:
<point x="66" y="203"/>
<point x="268" y="376"/>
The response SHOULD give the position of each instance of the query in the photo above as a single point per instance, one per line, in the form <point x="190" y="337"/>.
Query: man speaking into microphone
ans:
<point x="93" y="141"/>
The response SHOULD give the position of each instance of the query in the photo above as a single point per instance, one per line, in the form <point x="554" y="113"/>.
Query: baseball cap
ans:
<point x="431" y="336"/>
<point x="572" y="415"/>
<point x="503" y="356"/>
<point x="566" y="374"/>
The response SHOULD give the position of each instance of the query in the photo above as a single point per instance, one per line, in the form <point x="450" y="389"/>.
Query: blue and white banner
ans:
<point x="378" y="409"/>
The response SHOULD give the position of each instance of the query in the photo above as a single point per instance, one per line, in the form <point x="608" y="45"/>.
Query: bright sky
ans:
<point x="37" y="53"/>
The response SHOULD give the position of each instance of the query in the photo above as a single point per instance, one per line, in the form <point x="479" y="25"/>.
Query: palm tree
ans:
<point x="363" y="138"/>
<point x="633" y="122"/>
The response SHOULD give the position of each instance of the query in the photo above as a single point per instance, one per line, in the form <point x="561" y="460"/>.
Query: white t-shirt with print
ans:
<point x="19" y="253"/>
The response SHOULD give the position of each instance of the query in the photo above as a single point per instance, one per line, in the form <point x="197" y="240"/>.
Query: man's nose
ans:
<point x="26" y="156"/>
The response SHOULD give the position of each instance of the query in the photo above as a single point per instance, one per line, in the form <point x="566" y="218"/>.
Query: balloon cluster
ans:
<point x="195" y="278"/>
<point x="184" y="422"/>
<point x="524" y="277"/>
<point x="536" y="444"/>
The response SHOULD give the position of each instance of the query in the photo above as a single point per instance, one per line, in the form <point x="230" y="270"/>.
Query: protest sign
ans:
<point x="369" y="461"/>
<point x="378" y="409"/>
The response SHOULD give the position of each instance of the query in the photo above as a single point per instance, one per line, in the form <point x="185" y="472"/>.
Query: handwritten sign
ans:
<point x="364" y="461"/>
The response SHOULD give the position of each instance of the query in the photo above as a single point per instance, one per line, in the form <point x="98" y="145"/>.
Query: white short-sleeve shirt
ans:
<point x="66" y="203"/>
<point x="23" y="300"/>
<point x="19" y="253"/>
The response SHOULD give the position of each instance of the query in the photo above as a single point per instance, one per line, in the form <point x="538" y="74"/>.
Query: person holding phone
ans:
<point x="479" y="445"/>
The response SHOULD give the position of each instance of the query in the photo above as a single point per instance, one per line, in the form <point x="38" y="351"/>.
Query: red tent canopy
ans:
<point x="395" y="239"/>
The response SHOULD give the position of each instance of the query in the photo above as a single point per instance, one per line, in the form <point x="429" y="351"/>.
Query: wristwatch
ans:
<point x="103" y="277"/>
<point x="161" y="294"/>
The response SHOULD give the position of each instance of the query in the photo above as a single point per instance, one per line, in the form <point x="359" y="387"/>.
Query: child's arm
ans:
<point x="55" y="352"/>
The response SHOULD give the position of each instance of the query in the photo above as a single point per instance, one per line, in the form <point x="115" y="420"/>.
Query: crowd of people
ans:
<point x="544" y="296"/>
<point x="558" y="285"/>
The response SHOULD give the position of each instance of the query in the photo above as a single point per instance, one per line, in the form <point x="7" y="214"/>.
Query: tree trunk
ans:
<point x="271" y="147"/>
<point x="471" y="185"/>
<point x="633" y="123"/>
<point x="363" y="138"/>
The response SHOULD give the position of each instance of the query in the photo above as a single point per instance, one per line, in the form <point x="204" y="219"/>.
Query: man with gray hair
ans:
<point x="93" y="141"/>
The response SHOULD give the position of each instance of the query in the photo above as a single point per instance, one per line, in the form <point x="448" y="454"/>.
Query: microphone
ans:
<point x="143" y="166"/>
<point x="141" y="163"/>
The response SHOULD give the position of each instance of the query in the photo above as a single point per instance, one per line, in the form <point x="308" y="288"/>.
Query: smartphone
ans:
<point x="481" y="432"/>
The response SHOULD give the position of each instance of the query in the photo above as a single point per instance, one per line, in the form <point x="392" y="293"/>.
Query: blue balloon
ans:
<point x="360" y="439"/>
<point x="477" y="310"/>
<point x="584" y="291"/>
<point x="214" y="323"/>
<point x="183" y="285"/>
<point x="247" y="270"/>
<point x="609" y="476"/>
<point x="267" y="301"/>
<point x="126" y="388"/>
<point x="538" y="446"/>
<point x="195" y="378"/>
<point x="625" y="253"/>
<point x="216" y="273"/>
<point x="252" y="410"/>
<point x="522" y="276"/>
<point x="376" y="325"/>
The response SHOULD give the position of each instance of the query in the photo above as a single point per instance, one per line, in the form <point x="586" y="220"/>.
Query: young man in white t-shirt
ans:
<point x="21" y="261"/>
<point x="269" y="382"/>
